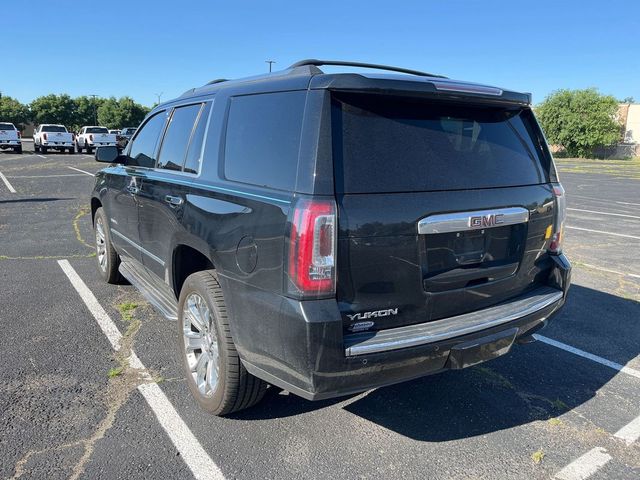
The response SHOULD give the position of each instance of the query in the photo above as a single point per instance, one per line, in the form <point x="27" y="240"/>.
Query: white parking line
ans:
<point x="590" y="356"/>
<point x="41" y="156"/>
<point x="196" y="458"/>
<point x="83" y="171"/>
<point x="6" y="182"/>
<point x="584" y="466"/>
<point x="604" y="213"/>
<point x="47" y="176"/>
<point x="604" y="233"/>
<point x="632" y="275"/>
<point x="630" y="432"/>
<point x="629" y="203"/>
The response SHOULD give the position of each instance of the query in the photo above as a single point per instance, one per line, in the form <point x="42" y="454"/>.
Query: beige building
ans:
<point x="629" y="114"/>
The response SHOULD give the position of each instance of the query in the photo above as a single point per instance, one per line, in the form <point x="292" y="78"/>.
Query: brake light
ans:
<point x="312" y="249"/>
<point x="19" y="134"/>
<point x="559" y="217"/>
<point x="44" y="136"/>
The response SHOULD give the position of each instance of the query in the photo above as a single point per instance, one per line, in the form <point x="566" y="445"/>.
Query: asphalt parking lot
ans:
<point x="566" y="407"/>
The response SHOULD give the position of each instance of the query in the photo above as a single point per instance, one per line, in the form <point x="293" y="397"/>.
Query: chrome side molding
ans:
<point x="475" y="220"/>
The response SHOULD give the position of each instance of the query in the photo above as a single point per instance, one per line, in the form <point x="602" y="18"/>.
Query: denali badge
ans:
<point x="483" y="221"/>
<point x="376" y="314"/>
<point x="361" y="326"/>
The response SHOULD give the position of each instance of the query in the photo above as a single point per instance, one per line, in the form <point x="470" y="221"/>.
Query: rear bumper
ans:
<point x="300" y="346"/>
<point x="10" y="143"/>
<point x="57" y="144"/>
<point x="105" y="144"/>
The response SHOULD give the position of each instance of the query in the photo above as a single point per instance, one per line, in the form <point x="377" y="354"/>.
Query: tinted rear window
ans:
<point x="53" y="128"/>
<point x="97" y="130"/>
<point x="263" y="139"/>
<point x="390" y="144"/>
<point x="6" y="126"/>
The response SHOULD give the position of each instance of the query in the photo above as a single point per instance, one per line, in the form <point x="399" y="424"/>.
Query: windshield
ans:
<point x="54" y="128"/>
<point x="97" y="130"/>
<point x="397" y="144"/>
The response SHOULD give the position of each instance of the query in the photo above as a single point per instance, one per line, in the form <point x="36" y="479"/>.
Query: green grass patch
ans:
<point x="560" y="405"/>
<point x="126" y="310"/>
<point x="537" y="456"/>
<point x="554" y="422"/>
<point x="114" y="372"/>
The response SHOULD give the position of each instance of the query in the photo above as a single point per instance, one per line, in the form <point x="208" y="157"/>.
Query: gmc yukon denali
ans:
<point x="333" y="233"/>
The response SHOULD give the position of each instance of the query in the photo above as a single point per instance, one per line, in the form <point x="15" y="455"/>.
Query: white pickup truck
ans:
<point x="10" y="137"/>
<point x="92" y="137"/>
<point x="52" y="136"/>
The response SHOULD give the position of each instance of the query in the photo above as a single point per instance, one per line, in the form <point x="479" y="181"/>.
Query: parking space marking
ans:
<point x="604" y="213"/>
<point x="41" y="156"/>
<point x="604" y="233"/>
<point x="83" y="171"/>
<point x="585" y="466"/>
<point x="191" y="451"/>
<point x="590" y="356"/>
<point x="632" y="275"/>
<point x="6" y="182"/>
<point x="630" y="432"/>
<point x="47" y="176"/>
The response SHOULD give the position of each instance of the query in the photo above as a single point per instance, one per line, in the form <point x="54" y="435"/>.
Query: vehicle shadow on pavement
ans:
<point x="533" y="382"/>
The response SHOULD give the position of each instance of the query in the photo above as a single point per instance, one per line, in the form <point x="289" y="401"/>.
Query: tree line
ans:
<point x="74" y="113"/>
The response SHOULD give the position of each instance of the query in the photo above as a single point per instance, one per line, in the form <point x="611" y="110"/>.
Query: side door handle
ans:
<point x="173" y="200"/>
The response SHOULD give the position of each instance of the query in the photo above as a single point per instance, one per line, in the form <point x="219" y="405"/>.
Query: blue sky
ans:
<point x="140" y="48"/>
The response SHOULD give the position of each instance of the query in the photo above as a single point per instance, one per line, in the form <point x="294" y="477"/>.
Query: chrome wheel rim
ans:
<point x="200" y="344"/>
<point x="101" y="245"/>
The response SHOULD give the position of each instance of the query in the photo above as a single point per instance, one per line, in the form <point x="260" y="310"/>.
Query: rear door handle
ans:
<point x="173" y="200"/>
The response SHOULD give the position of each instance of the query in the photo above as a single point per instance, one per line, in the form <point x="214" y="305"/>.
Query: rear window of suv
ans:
<point x="395" y="144"/>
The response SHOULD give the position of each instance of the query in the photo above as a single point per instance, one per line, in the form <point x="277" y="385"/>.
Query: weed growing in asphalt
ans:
<point x="114" y="372"/>
<point x="126" y="310"/>
<point x="537" y="456"/>
<point x="555" y="422"/>
<point x="560" y="405"/>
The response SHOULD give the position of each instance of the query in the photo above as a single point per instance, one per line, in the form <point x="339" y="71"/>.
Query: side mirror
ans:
<point x="107" y="154"/>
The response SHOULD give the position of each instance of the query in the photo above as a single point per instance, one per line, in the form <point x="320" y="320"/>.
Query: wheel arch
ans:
<point x="187" y="259"/>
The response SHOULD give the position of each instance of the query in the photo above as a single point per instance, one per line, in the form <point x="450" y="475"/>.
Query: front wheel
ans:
<point x="108" y="258"/>
<point x="215" y="375"/>
<point x="89" y="149"/>
<point x="36" y="148"/>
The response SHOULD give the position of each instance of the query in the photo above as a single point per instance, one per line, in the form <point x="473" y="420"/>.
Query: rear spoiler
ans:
<point x="434" y="87"/>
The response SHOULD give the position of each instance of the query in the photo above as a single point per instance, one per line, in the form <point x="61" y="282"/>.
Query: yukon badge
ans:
<point x="360" y="326"/>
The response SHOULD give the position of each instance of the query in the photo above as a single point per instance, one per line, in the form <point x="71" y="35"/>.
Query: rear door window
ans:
<point x="194" y="153"/>
<point x="176" y="139"/>
<point x="263" y="139"/>
<point x="394" y="144"/>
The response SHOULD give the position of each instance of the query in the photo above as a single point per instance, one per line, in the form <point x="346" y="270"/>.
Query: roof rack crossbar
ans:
<point x="218" y="80"/>
<point x="318" y="63"/>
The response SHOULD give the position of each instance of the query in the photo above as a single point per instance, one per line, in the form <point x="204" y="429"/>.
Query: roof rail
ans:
<point x="317" y="63"/>
<point x="218" y="80"/>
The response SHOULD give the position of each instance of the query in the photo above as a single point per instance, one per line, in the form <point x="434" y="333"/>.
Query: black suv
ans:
<point x="332" y="233"/>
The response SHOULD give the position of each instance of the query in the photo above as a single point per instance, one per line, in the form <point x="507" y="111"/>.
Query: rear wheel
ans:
<point x="43" y="149"/>
<point x="89" y="149"/>
<point x="107" y="257"/>
<point x="215" y="375"/>
<point x="36" y="148"/>
<point x="72" y="150"/>
<point x="17" y="149"/>
<point x="78" y="147"/>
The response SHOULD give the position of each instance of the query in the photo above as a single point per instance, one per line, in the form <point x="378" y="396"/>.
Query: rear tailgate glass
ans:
<point x="388" y="144"/>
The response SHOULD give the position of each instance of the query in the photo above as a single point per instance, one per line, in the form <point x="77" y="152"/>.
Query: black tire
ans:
<point x="89" y="149"/>
<point x="43" y="149"/>
<point x="236" y="389"/>
<point x="18" y="150"/>
<point x="36" y="148"/>
<point x="72" y="150"/>
<point x="78" y="147"/>
<point x="109" y="270"/>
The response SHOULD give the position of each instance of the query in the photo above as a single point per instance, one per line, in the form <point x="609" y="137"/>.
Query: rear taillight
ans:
<point x="44" y="136"/>
<point x="560" y="215"/>
<point x="312" y="249"/>
<point x="19" y="134"/>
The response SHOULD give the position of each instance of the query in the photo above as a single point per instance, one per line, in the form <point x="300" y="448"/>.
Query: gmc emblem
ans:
<point x="484" y="221"/>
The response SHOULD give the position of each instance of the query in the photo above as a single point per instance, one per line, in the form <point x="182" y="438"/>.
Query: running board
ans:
<point x="154" y="291"/>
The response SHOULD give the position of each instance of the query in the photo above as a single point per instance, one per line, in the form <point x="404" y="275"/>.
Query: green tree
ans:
<point x="53" y="109"/>
<point x="11" y="110"/>
<point x="86" y="111"/>
<point x="119" y="113"/>
<point x="579" y="120"/>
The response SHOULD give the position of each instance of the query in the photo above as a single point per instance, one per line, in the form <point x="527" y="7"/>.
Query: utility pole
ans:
<point x="95" y="109"/>
<point x="270" y="62"/>
<point x="159" y="95"/>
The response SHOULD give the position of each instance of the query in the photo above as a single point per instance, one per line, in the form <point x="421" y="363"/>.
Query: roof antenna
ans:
<point x="270" y="62"/>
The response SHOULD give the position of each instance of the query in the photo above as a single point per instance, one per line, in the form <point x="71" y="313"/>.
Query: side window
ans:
<point x="194" y="154"/>
<point x="263" y="139"/>
<point x="143" y="147"/>
<point x="176" y="140"/>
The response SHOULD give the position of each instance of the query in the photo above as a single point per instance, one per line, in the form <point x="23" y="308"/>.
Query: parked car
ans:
<point x="115" y="132"/>
<point x="333" y="233"/>
<point x="10" y="137"/>
<point x="92" y="137"/>
<point x="48" y="136"/>
<point x="125" y="135"/>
